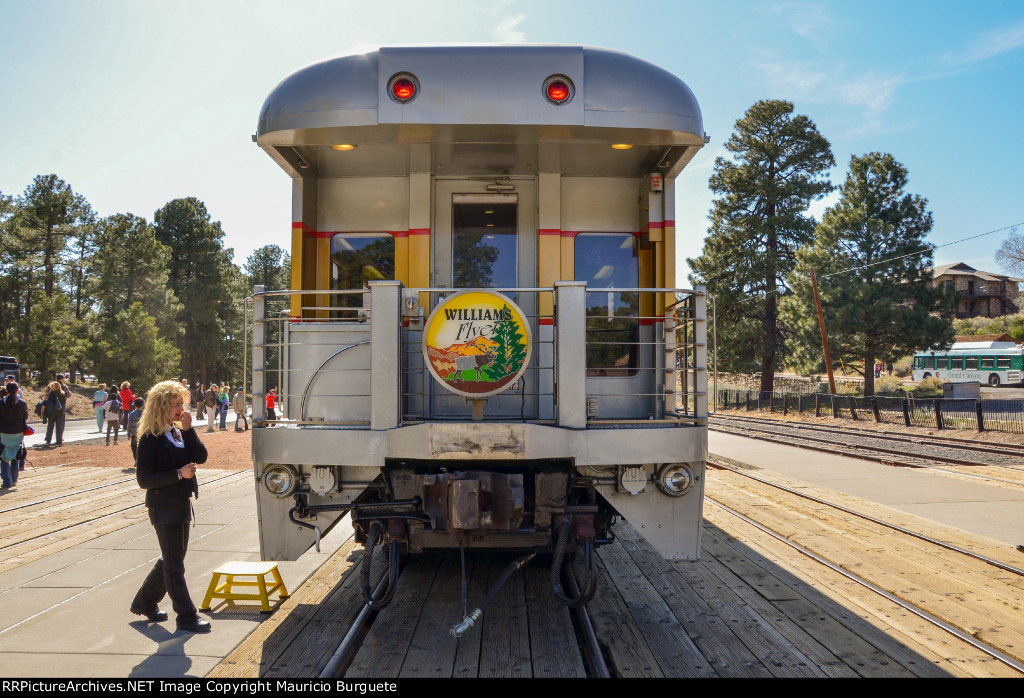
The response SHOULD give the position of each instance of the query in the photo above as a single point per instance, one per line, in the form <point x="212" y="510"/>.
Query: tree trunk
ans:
<point x="869" y="373"/>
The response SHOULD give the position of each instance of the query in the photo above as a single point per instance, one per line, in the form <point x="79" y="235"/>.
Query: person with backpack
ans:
<point x="54" y="406"/>
<point x="113" y="416"/>
<point x="133" y="427"/>
<point x="13" y="421"/>
<point x="238" y="401"/>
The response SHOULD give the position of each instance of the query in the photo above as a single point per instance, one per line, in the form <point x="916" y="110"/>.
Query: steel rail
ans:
<point x="856" y="447"/>
<point x="880" y="522"/>
<point x="852" y="452"/>
<point x="919" y="612"/>
<point x="940" y="441"/>
<point x="592" y="652"/>
<point x="246" y="473"/>
<point x="69" y="494"/>
<point x="349" y="646"/>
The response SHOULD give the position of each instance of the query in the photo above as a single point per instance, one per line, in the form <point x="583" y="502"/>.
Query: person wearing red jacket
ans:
<point x="271" y="401"/>
<point x="127" y="399"/>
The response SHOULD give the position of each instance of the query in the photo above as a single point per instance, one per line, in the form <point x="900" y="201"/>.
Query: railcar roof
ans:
<point x="471" y="94"/>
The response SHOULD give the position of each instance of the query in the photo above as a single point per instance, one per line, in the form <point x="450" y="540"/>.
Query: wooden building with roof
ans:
<point x="979" y="293"/>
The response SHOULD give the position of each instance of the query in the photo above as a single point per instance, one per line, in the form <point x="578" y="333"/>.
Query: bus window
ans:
<point x="971" y="363"/>
<point x="941" y="362"/>
<point x="1003" y="362"/>
<point x="956" y="363"/>
<point x="607" y="261"/>
<point x="988" y="362"/>
<point x="356" y="259"/>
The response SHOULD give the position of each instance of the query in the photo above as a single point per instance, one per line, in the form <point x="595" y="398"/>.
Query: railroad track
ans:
<point x="1014" y="451"/>
<point x="941" y="583"/>
<point x="898" y="450"/>
<point x="360" y="651"/>
<point x="44" y="516"/>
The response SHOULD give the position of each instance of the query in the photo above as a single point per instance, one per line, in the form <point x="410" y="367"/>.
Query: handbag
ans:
<point x="29" y="431"/>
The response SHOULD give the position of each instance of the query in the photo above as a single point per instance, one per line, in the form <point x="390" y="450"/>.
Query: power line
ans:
<point x="921" y="251"/>
<point x="893" y="259"/>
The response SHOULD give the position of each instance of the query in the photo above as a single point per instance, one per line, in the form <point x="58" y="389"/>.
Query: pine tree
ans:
<point x="509" y="352"/>
<point x="779" y="166"/>
<point x="873" y="266"/>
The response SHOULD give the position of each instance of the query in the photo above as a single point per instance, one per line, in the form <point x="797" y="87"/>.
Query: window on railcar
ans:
<point x="971" y="363"/>
<point x="484" y="245"/>
<point x="988" y="362"/>
<point x="607" y="261"/>
<point x="941" y="362"/>
<point x="357" y="259"/>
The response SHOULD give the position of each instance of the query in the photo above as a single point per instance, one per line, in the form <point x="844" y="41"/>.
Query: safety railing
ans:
<point x="355" y="359"/>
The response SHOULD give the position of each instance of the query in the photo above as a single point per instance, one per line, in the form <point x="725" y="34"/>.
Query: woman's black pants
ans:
<point x="168" y="574"/>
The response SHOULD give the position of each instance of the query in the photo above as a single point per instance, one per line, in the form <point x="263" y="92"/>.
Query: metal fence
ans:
<point x="934" y="413"/>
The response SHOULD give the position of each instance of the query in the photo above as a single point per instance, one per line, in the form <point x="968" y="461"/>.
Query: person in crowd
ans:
<point x="18" y="463"/>
<point x="7" y="381"/>
<point x="127" y="398"/>
<point x="56" y="402"/>
<point x="238" y="403"/>
<point x="223" y="400"/>
<point x="112" y="415"/>
<point x="169" y="450"/>
<point x="13" y="421"/>
<point x="212" y="402"/>
<point x="199" y="400"/>
<point x="99" y="398"/>
<point x="133" y="427"/>
<point x="271" y="401"/>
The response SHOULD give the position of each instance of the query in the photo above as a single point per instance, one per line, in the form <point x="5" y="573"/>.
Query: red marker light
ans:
<point x="403" y="89"/>
<point x="558" y="91"/>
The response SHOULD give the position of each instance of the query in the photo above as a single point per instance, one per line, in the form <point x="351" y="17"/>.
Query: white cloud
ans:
<point x="869" y="95"/>
<point x="991" y="44"/>
<point x="507" y="30"/>
<point x="810" y="21"/>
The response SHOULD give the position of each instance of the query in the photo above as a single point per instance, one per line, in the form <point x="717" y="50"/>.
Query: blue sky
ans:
<point x="135" y="103"/>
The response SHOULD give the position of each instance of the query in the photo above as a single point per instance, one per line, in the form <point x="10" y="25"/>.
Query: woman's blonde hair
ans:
<point x="126" y="384"/>
<point x="55" y="386"/>
<point x="158" y="403"/>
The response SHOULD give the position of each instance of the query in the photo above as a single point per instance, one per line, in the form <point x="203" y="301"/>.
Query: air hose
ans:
<point x="590" y="587"/>
<point x="377" y="603"/>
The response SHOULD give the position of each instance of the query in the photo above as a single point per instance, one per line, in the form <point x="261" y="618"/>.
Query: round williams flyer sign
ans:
<point x="477" y="343"/>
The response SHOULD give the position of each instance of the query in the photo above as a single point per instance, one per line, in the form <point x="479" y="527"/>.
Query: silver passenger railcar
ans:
<point x="483" y="345"/>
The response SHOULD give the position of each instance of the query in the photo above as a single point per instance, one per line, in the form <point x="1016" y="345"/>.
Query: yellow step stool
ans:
<point x="258" y="570"/>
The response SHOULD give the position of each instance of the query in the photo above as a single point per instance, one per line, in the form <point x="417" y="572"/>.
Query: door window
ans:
<point x="484" y="244"/>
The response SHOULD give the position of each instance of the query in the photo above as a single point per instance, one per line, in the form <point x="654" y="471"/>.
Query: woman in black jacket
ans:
<point x="13" y="420"/>
<point x="169" y="449"/>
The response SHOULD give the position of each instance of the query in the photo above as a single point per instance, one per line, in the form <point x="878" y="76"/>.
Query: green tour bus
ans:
<point x="994" y="363"/>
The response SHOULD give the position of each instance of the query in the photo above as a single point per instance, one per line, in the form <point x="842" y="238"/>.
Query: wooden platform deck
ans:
<point x="751" y="607"/>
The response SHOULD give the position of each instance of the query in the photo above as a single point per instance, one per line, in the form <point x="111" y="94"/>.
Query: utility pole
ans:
<point x="824" y="335"/>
